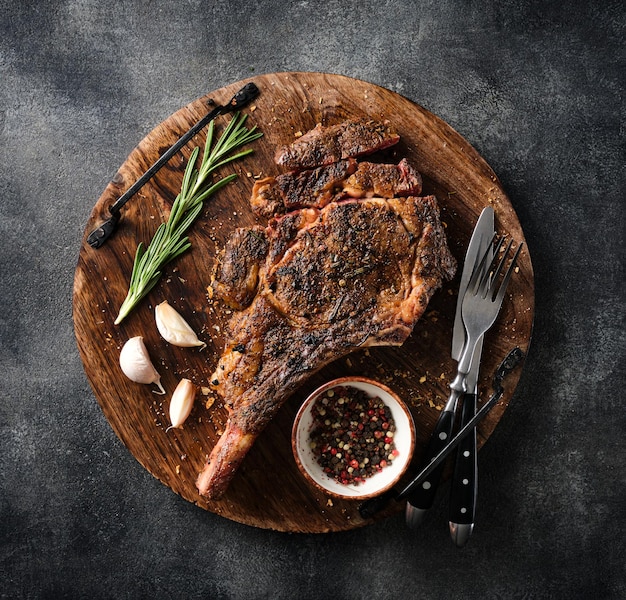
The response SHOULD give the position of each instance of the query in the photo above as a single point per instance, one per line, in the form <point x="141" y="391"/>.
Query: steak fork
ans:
<point x="482" y="303"/>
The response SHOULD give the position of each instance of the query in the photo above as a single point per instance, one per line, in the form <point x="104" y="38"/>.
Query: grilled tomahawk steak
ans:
<point x="311" y="287"/>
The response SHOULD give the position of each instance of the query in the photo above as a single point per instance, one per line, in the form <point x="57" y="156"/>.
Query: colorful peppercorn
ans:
<point x="352" y="434"/>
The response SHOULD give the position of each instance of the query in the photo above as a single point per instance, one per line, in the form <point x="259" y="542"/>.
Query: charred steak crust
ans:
<point x="336" y="268"/>
<point x="327" y="145"/>
<point x="238" y="266"/>
<point x="356" y="273"/>
<point x="267" y="199"/>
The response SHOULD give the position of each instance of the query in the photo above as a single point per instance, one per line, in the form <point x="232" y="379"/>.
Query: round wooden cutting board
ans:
<point x="268" y="491"/>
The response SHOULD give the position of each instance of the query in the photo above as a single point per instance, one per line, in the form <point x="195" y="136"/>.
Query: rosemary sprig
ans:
<point x="170" y="241"/>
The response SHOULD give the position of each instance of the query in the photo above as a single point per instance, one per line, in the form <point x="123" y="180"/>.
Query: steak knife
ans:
<point x="420" y="501"/>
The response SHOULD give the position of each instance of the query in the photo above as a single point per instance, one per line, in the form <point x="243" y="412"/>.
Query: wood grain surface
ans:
<point x="268" y="491"/>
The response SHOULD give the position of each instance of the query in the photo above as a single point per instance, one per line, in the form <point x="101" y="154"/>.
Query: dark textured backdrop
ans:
<point x="536" y="87"/>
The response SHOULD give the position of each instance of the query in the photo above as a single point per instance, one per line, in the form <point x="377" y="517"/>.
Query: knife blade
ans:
<point x="464" y="485"/>
<point x="421" y="499"/>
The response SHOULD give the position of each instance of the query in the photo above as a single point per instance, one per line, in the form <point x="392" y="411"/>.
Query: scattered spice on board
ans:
<point x="352" y="436"/>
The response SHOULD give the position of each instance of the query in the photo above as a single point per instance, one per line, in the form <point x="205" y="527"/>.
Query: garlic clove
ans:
<point x="182" y="402"/>
<point x="136" y="364"/>
<point x="173" y="328"/>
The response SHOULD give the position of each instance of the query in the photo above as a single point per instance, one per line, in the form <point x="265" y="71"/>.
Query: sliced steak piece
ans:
<point x="310" y="188"/>
<point x="384" y="181"/>
<point x="317" y="187"/>
<point x="356" y="273"/>
<point x="326" y="145"/>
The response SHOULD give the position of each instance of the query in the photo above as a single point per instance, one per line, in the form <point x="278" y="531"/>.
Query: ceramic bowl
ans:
<point x="404" y="439"/>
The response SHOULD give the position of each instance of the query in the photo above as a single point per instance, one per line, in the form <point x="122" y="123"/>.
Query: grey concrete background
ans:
<point x="536" y="87"/>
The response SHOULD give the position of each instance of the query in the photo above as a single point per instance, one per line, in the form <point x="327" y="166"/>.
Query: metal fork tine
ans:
<point x="507" y="276"/>
<point x="495" y="274"/>
<point x="480" y="307"/>
<point x="477" y="275"/>
<point x="485" y="271"/>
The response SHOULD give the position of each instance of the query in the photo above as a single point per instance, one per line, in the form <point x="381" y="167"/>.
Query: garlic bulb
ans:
<point x="136" y="364"/>
<point x="181" y="402"/>
<point x="173" y="328"/>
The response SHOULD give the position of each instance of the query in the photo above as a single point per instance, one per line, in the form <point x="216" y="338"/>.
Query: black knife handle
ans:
<point x="424" y="496"/>
<point x="464" y="485"/>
